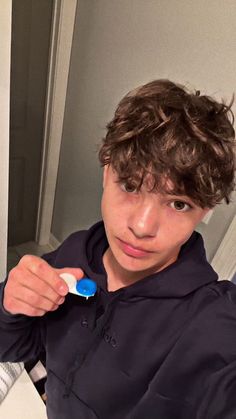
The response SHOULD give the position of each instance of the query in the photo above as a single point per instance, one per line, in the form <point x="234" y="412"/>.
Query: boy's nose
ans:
<point x="143" y="221"/>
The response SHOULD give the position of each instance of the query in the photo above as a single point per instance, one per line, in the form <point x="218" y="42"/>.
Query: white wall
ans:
<point x="117" y="46"/>
<point x="5" y="44"/>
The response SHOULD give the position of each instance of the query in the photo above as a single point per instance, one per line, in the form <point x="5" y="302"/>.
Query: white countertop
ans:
<point x="23" y="401"/>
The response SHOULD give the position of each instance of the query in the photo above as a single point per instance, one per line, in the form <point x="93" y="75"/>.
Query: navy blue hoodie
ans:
<point x="161" y="348"/>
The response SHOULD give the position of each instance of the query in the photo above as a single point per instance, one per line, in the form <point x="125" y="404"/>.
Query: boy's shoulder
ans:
<point x="214" y="319"/>
<point x="225" y="288"/>
<point x="216" y="297"/>
<point x="225" y="294"/>
<point x="71" y="251"/>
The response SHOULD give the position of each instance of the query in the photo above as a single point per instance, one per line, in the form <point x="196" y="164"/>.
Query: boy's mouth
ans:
<point x="131" y="250"/>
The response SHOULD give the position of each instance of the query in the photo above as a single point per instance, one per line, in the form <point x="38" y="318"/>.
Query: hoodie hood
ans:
<point x="190" y="272"/>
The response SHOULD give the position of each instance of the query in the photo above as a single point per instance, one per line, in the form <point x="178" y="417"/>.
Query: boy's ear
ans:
<point x="105" y="173"/>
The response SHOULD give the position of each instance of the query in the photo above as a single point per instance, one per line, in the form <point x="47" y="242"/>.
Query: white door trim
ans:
<point x="62" y="35"/>
<point x="224" y="261"/>
<point x="5" y="60"/>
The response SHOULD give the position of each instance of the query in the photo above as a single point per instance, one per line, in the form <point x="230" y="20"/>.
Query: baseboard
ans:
<point x="54" y="242"/>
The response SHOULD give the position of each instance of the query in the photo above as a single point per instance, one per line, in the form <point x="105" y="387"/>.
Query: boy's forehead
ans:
<point x="165" y="186"/>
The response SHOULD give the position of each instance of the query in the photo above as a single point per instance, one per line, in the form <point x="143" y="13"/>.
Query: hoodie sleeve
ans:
<point x="219" y="397"/>
<point x="21" y="337"/>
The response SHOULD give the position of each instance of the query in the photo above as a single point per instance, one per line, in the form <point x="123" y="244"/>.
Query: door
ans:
<point x="31" y="30"/>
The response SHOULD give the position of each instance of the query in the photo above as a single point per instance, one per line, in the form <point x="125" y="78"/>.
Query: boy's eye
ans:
<point x="128" y="187"/>
<point x="180" y="206"/>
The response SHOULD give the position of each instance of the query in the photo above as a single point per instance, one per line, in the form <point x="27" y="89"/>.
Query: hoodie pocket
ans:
<point x="61" y="407"/>
<point x="157" y="406"/>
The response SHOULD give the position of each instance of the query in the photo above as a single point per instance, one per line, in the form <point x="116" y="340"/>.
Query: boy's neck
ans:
<point x="118" y="277"/>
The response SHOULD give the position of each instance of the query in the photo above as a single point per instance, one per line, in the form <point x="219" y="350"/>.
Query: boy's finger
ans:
<point x="15" y="306"/>
<point x="36" y="269"/>
<point x="45" y="272"/>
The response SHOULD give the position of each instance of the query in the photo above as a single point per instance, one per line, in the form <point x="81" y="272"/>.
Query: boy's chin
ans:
<point x="136" y="266"/>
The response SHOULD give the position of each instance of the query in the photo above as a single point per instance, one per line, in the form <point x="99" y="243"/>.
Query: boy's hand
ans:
<point x="34" y="287"/>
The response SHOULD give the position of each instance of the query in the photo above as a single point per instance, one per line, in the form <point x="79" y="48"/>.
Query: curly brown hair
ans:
<point x="161" y="129"/>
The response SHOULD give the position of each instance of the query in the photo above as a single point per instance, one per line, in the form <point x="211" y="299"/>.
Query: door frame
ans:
<point x="224" y="261"/>
<point x="5" y="59"/>
<point x="63" y="22"/>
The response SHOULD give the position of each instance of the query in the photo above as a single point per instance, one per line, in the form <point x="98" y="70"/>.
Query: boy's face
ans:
<point x="145" y="230"/>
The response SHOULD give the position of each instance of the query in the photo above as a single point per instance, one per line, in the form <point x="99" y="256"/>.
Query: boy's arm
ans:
<point x="22" y="337"/>
<point x="218" y="398"/>
<point x="32" y="289"/>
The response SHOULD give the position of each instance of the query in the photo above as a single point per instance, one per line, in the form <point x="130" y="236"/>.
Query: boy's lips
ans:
<point x="131" y="250"/>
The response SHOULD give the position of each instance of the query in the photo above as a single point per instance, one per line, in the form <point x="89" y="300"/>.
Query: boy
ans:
<point x="158" y="339"/>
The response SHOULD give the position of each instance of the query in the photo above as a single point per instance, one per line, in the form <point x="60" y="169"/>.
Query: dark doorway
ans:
<point x="31" y="37"/>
